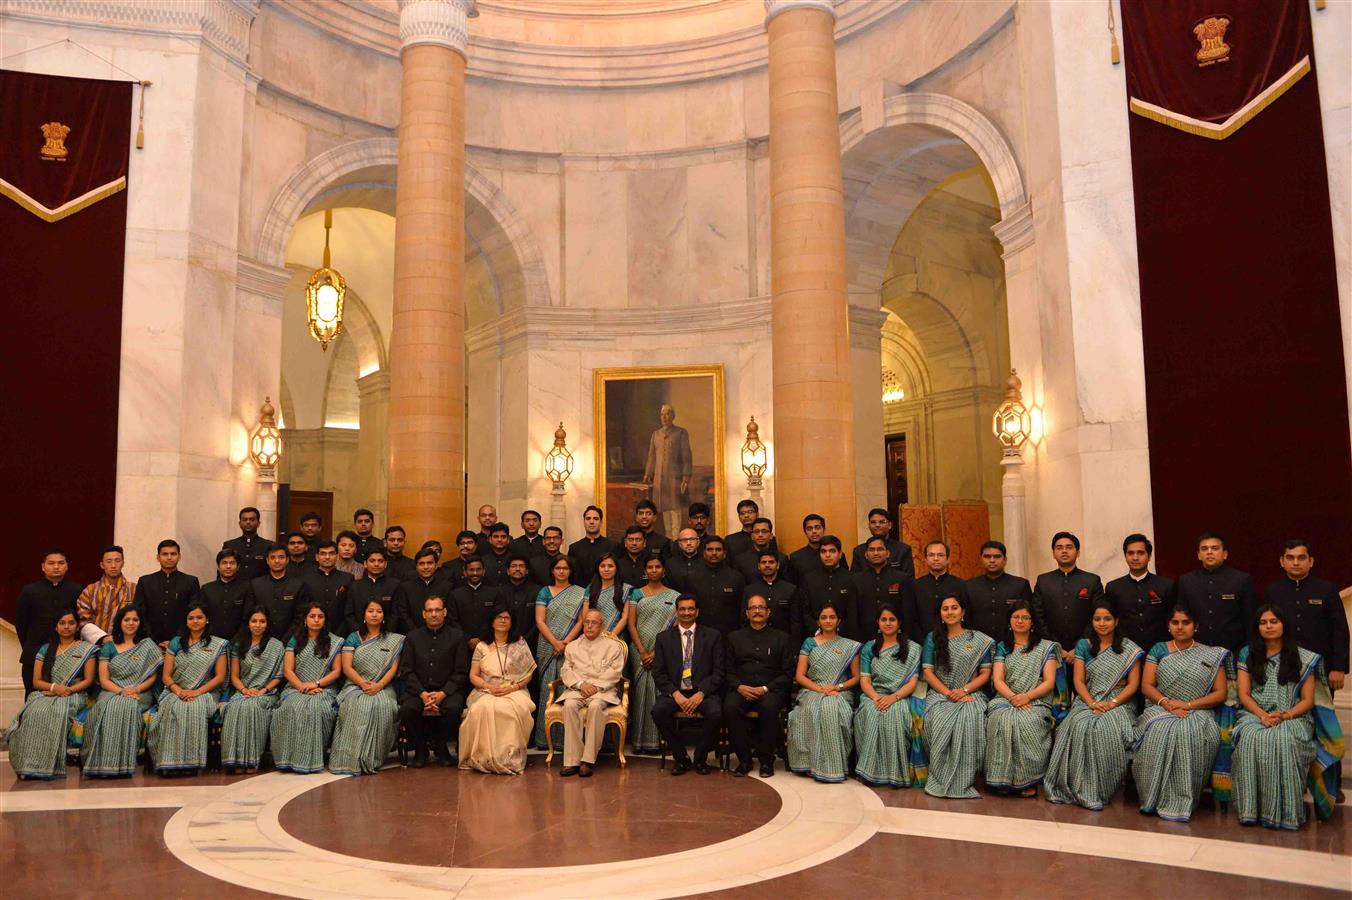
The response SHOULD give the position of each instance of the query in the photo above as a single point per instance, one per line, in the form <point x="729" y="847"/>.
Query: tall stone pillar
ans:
<point x="814" y="461"/>
<point x="427" y="339"/>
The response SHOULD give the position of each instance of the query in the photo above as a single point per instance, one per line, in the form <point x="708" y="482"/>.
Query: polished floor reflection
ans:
<point x="623" y="833"/>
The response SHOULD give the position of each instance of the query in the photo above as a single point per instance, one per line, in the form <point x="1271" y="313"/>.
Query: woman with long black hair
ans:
<point x="302" y="724"/>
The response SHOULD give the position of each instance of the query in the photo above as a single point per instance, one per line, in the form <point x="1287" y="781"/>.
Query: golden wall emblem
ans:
<point x="55" y="147"/>
<point x="1210" y="34"/>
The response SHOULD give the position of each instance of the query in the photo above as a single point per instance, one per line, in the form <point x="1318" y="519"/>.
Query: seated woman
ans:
<point x="607" y="594"/>
<point x="194" y="673"/>
<point x="1089" y="757"/>
<point x="129" y="668"/>
<point x="888" y="675"/>
<point x="1177" y="735"/>
<point x="558" y="616"/>
<point x="819" y="723"/>
<point x="62" y="672"/>
<point x="1274" y="735"/>
<point x="498" y="720"/>
<point x="255" y="677"/>
<point x="303" y="721"/>
<point x="368" y="709"/>
<point x="1019" y="721"/>
<point x="652" y="610"/>
<point x="957" y="665"/>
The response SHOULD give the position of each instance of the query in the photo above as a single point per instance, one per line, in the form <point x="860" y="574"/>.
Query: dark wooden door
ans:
<point x="302" y="502"/>
<point x="897" y="492"/>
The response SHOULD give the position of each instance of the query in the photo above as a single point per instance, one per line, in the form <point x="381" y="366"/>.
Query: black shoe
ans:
<point x="743" y="769"/>
<point x="682" y="766"/>
<point x="419" y="760"/>
<point x="446" y="756"/>
<point x="702" y="767"/>
<point x="568" y="771"/>
<point x="584" y="770"/>
<point x="767" y="768"/>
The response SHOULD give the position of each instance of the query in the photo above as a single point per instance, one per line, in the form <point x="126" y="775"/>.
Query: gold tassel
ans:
<point x="1112" y="33"/>
<point x="141" y="119"/>
<point x="1320" y="4"/>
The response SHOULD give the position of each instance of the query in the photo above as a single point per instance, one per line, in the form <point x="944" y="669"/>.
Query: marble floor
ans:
<point x="623" y="833"/>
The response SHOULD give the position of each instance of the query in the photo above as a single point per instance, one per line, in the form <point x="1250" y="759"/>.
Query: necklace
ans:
<point x="502" y="662"/>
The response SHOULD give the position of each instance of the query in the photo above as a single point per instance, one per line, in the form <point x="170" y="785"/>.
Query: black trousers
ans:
<point x="764" y="729"/>
<point x="664" y="716"/>
<point x="440" y="729"/>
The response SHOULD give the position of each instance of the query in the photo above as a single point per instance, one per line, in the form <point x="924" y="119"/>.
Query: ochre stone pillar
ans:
<point x="427" y="339"/>
<point x="814" y="412"/>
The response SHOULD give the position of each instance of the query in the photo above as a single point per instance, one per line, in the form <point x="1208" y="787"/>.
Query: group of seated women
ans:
<point x="263" y="695"/>
<point x="1006" y="713"/>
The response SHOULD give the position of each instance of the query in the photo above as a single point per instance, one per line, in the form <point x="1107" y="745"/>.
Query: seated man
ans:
<point x="759" y="659"/>
<point x="435" y="670"/>
<point x="688" y="671"/>
<point x="592" y="667"/>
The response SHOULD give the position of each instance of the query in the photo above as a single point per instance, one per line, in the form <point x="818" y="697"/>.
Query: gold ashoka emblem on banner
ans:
<point x="1210" y="34"/>
<point x="55" y="147"/>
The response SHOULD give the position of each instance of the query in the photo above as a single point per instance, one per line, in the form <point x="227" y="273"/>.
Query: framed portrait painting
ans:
<point x="659" y="437"/>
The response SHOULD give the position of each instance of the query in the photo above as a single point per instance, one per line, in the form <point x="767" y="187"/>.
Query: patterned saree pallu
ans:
<point x="820" y="725"/>
<point x="117" y="725"/>
<point x="37" y="736"/>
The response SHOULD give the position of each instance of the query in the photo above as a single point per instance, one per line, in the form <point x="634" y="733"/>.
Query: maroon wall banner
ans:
<point x="1245" y="385"/>
<point x="63" y="214"/>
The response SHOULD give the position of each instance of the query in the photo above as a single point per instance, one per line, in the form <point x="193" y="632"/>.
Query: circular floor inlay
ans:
<point x="237" y="836"/>
<point x="436" y="816"/>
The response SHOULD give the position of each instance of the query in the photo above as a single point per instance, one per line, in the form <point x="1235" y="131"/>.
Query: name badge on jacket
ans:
<point x="1227" y="596"/>
<point x="1316" y="601"/>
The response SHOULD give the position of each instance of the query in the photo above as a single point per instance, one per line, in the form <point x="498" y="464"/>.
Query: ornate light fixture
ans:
<point x="324" y="296"/>
<point x="1012" y="422"/>
<point x="265" y="447"/>
<point x="892" y="389"/>
<point x="558" y="461"/>
<point x="755" y="457"/>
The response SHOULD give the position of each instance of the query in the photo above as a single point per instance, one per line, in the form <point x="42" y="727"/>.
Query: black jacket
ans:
<point x="872" y="591"/>
<point x="495" y="567"/>
<point x="706" y="668"/>
<point x="40" y="605"/>
<point x="384" y="589"/>
<point x="1313" y="608"/>
<point x="226" y="603"/>
<point x="414" y="591"/>
<point x="1065" y="601"/>
<point x="366" y="544"/>
<point x="283" y="598"/>
<point x="820" y="587"/>
<point x="400" y="567"/>
<point x="802" y="561"/>
<point x="330" y="590"/>
<point x="679" y="567"/>
<point x="764" y="658"/>
<point x="1225" y="603"/>
<point x="989" y="600"/>
<point x="585" y="552"/>
<point x="471" y="609"/>
<point x="1143" y="607"/>
<point x="719" y="590"/>
<point x="520" y="598"/>
<point x="252" y="553"/>
<point x="527" y="547"/>
<point x="163" y="601"/>
<point x="748" y="563"/>
<point x="928" y="591"/>
<point x="435" y="661"/>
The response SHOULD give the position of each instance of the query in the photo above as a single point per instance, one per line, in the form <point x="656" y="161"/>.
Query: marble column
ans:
<point x="813" y="402"/>
<point x="427" y="339"/>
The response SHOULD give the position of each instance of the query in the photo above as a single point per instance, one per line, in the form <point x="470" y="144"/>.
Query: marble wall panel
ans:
<point x="538" y="199"/>
<point x="658" y="247"/>
<point x="596" y="238"/>
<point x="717" y="232"/>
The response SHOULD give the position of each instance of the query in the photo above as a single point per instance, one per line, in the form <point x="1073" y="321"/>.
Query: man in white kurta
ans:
<point x="592" y="667"/>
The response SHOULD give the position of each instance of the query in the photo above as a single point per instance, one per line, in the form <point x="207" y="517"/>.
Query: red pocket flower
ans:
<point x="1084" y="592"/>
<point x="1154" y="596"/>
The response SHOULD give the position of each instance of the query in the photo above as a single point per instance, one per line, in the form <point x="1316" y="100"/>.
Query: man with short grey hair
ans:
<point x="592" y="667"/>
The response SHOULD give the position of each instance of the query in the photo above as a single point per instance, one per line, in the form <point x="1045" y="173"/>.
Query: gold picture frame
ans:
<point x="623" y="428"/>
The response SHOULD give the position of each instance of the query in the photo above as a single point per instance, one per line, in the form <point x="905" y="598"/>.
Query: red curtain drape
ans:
<point x="62" y="285"/>
<point x="1245" y="384"/>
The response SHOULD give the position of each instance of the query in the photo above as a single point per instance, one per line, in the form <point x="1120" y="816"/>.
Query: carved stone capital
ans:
<point x="441" y="22"/>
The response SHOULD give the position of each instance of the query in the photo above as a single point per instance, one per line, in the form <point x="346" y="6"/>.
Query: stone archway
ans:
<point x="499" y="230"/>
